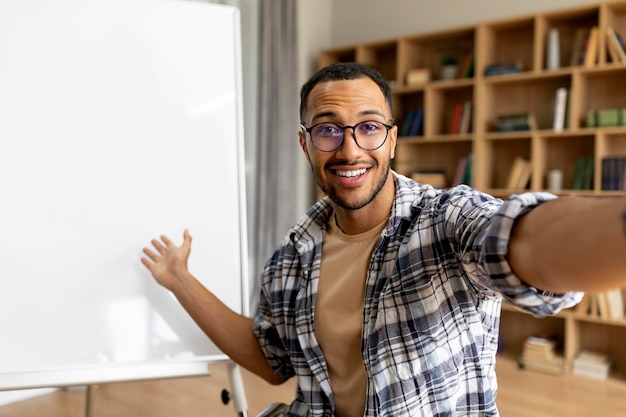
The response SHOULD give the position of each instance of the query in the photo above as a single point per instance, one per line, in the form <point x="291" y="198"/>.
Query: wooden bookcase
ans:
<point x="522" y="41"/>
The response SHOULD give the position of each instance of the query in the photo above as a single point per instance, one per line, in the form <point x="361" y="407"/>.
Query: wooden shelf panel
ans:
<point x="520" y="40"/>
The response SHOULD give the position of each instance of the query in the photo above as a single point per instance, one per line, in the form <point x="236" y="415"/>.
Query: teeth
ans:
<point x="350" y="174"/>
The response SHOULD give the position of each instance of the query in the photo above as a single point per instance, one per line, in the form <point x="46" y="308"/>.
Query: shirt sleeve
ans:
<point x="495" y="274"/>
<point x="266" y="327"/>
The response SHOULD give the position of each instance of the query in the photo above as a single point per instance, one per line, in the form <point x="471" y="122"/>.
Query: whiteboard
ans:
<point x="121" y="120"/>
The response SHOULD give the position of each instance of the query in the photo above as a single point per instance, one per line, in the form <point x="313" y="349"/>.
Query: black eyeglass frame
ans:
<point x="343" y="137"/>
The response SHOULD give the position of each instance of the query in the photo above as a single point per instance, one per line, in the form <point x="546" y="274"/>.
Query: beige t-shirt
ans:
<point x="339" y="314"/>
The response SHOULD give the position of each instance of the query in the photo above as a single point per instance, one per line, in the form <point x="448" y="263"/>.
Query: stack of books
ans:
<point x="592" y="364"/>
<point x="608" y="305"/>
<point x="540" y="354"/>
<point x="435" y="177"/>
<point x="610" y="117"/>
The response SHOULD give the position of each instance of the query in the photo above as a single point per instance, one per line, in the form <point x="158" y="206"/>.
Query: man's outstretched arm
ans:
<point x="571" y="244"/>
<point x="231" y="332"/>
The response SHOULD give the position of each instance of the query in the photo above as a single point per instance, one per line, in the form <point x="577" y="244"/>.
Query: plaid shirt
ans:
<point x="432" y="304"/>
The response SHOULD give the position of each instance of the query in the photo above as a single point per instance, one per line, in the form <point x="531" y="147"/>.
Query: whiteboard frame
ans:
<point x="134" y="371"/>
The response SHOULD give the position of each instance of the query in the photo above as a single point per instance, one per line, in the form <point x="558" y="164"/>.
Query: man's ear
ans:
<point x="302" y="139"/>
<point x="393" y="135"/>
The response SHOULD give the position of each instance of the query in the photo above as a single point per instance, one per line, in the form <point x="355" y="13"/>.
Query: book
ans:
<point x="613" y="172"/>
<point x="603" y="305"/>
<point x="591" y="53"/>
<point x="416" y="128"/>
<point x="466" y="118"/>
<point x="581" y="37"/>
<point x="459" y="173"/>
<point x="615" y="303"/>
<point x="418" y="76"/>
<point x="466" y="69"/>
<point x="587" y="174"/>
<point x="611" y="117"/>
<point x="615" y="45"/>
<point x="456" y="118"/>
<point x="519" y="174"/>
<point x="553" y="58"/>
<point x="467" y="174"/>
<point x="592" y="364"/>
<point x="559" y="111"/>
<point x="514" y="122"/>
<point x="584" y="306"/>
<point x="502" y="69"/>
<point x="540" y="353"/>
<point x="578" y="173"/>
<point x="409" y="116"/>
<point x="436" y="177"/>
<point x="583" y="175"/>
<point x="606" y="117"/>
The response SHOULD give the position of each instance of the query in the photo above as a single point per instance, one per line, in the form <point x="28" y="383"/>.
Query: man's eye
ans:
<point x="370" y="127"/>
<point x="327" y="130"/>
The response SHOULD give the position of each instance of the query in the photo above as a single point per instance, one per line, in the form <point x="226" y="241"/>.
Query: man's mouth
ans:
<point x="351" y="173"/>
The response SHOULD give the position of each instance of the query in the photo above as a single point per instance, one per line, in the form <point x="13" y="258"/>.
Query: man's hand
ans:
<point x="169" y="263"/>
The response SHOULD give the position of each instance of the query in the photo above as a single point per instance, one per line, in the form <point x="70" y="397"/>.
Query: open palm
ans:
<point x="167" y="261"/>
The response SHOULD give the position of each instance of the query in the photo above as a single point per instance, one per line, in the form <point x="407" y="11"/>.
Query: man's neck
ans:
<point x="353" y="222"/>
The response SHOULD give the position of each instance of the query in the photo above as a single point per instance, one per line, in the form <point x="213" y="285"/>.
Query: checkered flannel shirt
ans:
<point x="431" y="313"/>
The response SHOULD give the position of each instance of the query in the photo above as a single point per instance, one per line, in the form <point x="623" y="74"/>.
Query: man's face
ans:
<point x="350" y="176"/>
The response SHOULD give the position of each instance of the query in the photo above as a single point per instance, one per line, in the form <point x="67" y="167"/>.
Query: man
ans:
<point x="384" y="299"/>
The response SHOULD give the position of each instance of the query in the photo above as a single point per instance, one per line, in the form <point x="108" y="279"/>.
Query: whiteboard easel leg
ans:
<point x="239" y="394"/>
<point x="88" y="401"/>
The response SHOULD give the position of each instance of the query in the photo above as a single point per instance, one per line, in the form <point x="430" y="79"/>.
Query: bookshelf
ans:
<point x="517" y="48"/>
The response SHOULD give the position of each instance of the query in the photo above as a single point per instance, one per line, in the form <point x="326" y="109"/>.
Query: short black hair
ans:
<point x="344" y="71"/>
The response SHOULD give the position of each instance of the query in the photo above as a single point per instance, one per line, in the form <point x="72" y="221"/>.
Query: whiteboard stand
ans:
<point x="105" y="104"/>
<point x="91" y="377"/>
<point x="88" y="401"/>
<point x="236" y="383"/>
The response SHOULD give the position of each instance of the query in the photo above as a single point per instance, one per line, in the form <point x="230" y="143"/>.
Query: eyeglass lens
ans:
<point x="369" y="135"/>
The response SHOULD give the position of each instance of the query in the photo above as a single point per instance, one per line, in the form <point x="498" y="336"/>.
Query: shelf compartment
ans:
<point x="428" y="50"/>
<point x="442" y="99"/>
<point x="382" y="56"/>
<point x="423" y="154"/>
<point x="409" y="100"/>
<point x="601" y="336"/>
<point x="558" y="151"/>
<point x="517" y="325"/>
<point x="611" y="142"/>
<point x="507" y="42"/>
<point x="499" y="152"/>
<point x="604" y="88"/>
<point x="523" y="95"/>
<point x="333" y="56"/>
<point x="614" y="14"/>
<point x="567" y="23"/>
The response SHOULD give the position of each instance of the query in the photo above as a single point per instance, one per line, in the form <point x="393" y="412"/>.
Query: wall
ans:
<point x="327" y="24"/>
<point x="314" y="35"/>
<point x="356" y="21"/>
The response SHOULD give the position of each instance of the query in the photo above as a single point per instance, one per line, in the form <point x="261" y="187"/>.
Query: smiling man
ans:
<point x="354" y="173"/>
<point x="384" y="299"/>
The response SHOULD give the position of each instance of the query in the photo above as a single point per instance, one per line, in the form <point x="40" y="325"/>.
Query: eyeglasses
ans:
<point x="368" y="135"/>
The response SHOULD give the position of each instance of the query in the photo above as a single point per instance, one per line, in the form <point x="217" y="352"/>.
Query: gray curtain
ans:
<point x="277" y="142"/>
<point x="270" y="93"/>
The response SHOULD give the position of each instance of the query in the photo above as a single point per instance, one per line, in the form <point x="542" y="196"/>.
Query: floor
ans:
<point x="521" y="394"/>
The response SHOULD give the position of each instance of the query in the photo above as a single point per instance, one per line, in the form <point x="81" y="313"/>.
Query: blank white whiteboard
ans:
<point x="120" y="120"/>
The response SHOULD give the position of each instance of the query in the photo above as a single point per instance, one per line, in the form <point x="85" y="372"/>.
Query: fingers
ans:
<point x="165" y="240"/>
<point x="146" y="263"/>
<point x="153" y="256"/>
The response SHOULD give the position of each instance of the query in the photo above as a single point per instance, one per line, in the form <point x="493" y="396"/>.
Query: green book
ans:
<point x="578" y="174"/>
<point x="587" y="177"/>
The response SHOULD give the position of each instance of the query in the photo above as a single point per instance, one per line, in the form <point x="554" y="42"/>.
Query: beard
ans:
<point x="335" y="196"/>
